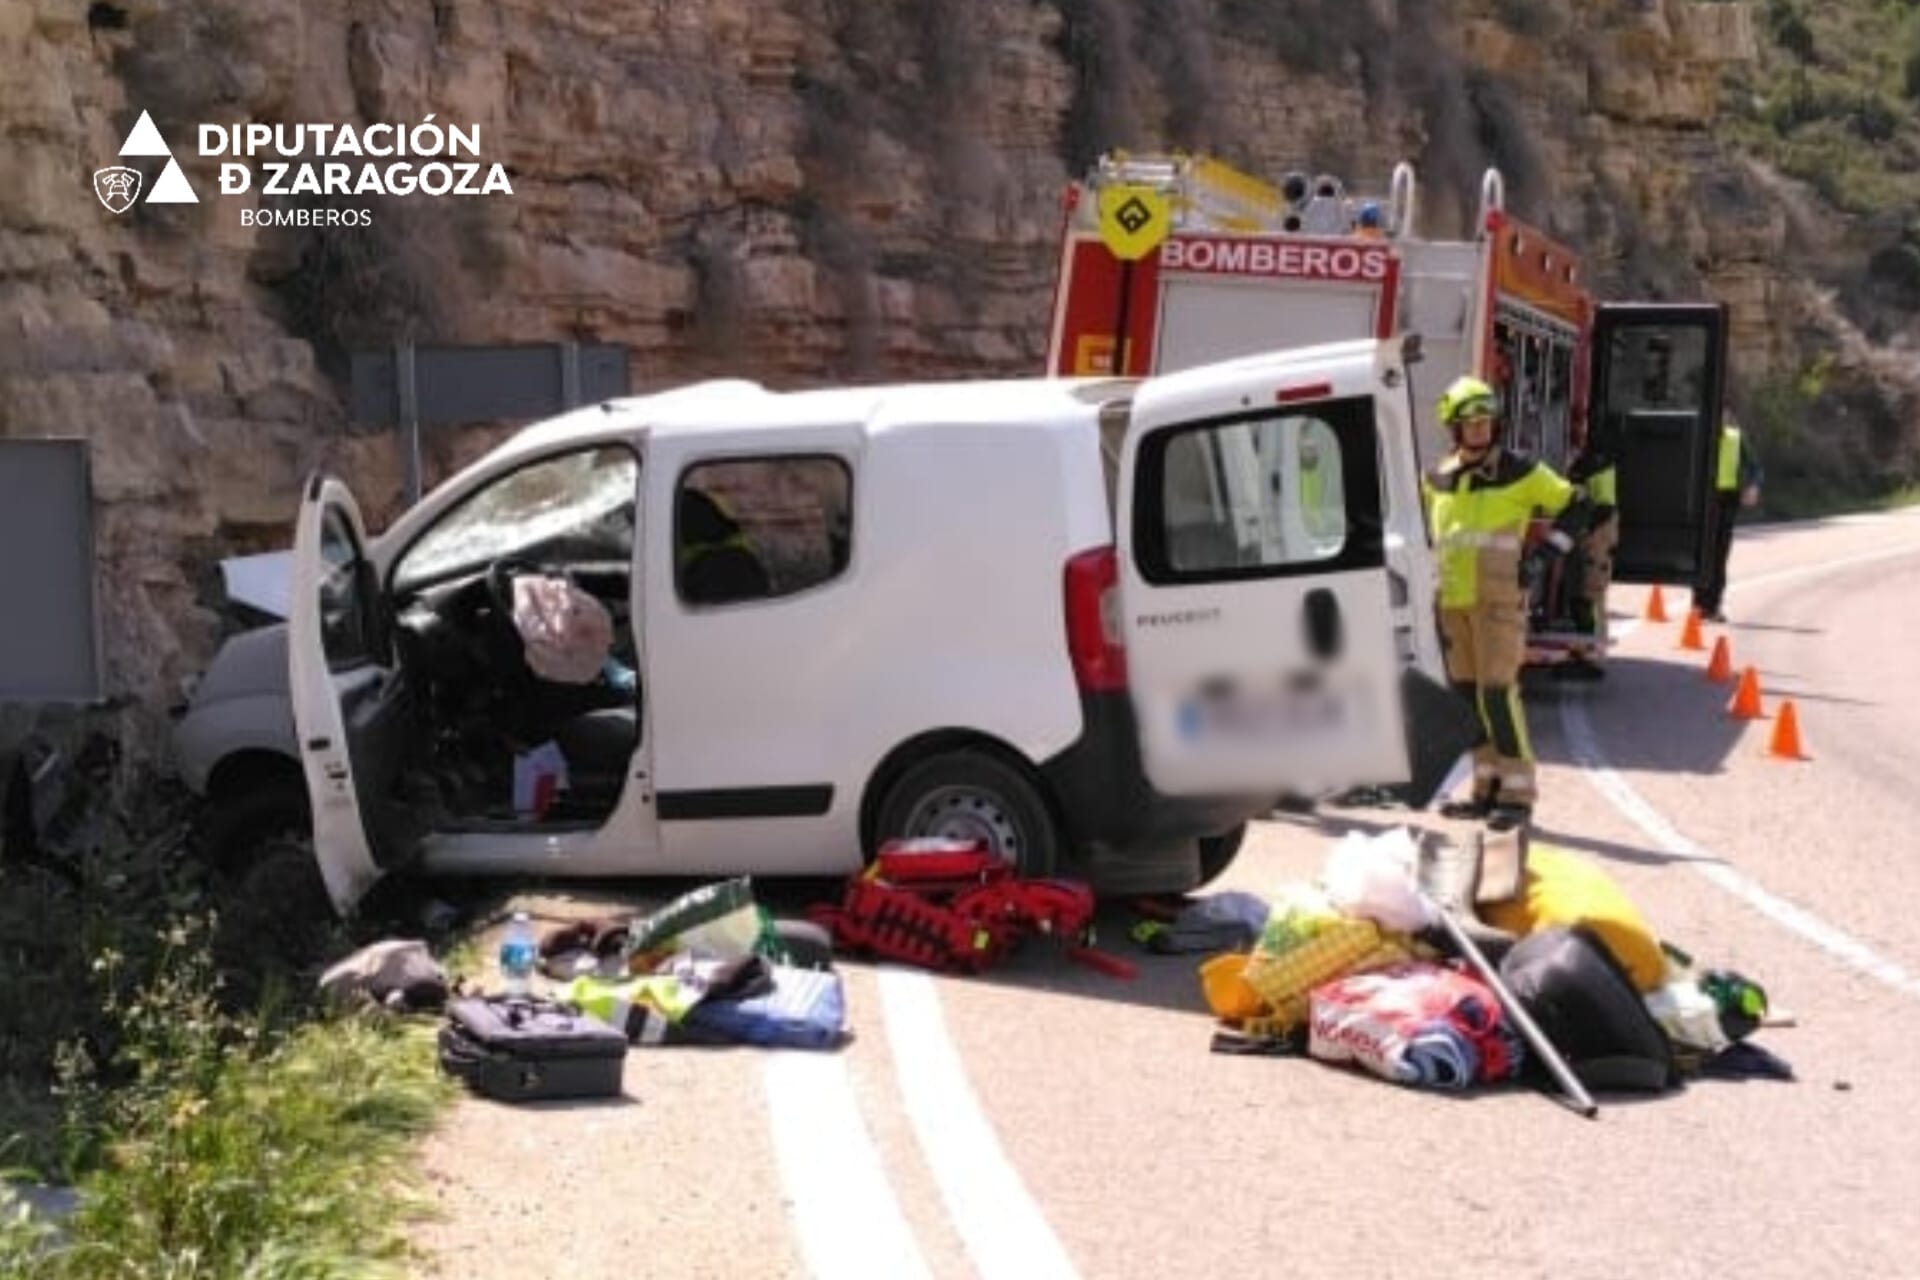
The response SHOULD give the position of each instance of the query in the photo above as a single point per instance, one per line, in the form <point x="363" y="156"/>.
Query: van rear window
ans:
<point x="1278" y="493"/>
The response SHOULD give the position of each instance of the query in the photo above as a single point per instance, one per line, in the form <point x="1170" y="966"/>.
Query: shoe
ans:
<point x="1470" y="810"/>
<point x="1506" y="817"/>
<point x="1713" y="615"/>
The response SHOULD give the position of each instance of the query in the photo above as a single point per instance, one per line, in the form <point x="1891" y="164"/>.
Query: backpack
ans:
<point x="1586" y="1005"/>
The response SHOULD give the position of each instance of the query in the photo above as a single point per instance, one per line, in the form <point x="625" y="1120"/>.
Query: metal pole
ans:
<point x="1120" y="321"/>
<point x="1576" y="1095"/>
<point x="569" y="375"/>
<point x="408" y="392"/>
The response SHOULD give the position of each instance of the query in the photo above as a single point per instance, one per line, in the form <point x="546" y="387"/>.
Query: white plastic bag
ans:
<point x="1376" y="877"/>
<point x="537" y="775"/>
<point x="1687" y="1014"/>
<point x="567" y="633"/>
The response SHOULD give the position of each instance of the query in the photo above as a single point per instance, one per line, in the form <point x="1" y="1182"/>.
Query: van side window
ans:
<point x="346" y="604"/>
<point x="1271" y="494"/>
<point x="761" y="528"/>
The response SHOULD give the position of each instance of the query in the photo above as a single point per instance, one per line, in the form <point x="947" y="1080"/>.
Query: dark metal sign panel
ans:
<point x="486" y="384"/>
<point x="49" y="639"/>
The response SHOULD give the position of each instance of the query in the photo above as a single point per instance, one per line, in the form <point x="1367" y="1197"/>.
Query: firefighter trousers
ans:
<point x="1597" y="550"/>
<point x="1484" y="647"/>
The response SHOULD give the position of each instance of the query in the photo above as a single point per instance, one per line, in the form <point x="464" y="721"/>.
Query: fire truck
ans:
<point x="1172" y="261"/>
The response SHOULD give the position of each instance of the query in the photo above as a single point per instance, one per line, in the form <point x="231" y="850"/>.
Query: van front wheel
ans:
<point x="969" y="795"/>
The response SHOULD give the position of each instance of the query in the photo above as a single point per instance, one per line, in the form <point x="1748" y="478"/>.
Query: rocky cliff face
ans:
<point x="792" y="191"/>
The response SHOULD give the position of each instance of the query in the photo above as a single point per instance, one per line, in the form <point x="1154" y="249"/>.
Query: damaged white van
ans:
<point x="1091" y="622"/>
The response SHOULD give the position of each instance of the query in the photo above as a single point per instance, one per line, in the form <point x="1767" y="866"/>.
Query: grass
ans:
<point x="216" y="1124"/>
<point x="217" y="1144"/>
<point x="288" y="1164"/>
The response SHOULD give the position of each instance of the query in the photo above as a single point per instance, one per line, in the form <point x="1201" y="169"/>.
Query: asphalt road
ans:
<point x="1050" y="1121"/>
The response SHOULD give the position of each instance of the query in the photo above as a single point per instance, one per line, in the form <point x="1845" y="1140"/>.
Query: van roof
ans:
<point x="720" y="404"/>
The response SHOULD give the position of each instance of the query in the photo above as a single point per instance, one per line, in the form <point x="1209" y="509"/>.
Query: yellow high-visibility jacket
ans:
<point x="1478" y="517"/>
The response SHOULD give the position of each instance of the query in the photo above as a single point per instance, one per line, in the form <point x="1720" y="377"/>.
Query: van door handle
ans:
<point x="1321" y="617"/>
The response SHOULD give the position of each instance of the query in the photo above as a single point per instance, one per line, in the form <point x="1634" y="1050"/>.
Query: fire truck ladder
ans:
<point x="1442" y="298"/>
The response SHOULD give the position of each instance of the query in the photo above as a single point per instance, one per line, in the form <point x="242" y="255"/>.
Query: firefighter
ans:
<point x="1736" y="485"/>
<point x="1480" y="501"/>
<point x="1314" y="512"/>
<point x="1596" y="474"/>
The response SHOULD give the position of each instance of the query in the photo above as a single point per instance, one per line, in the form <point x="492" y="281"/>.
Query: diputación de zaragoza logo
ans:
<point x="375" y="160"/>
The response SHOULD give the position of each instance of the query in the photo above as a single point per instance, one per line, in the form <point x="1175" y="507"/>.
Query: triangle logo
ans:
<point x="145" y="140"/>
<point x="172" y="187"/>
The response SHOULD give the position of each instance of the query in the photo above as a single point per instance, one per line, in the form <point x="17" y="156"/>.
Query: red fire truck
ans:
<point x="1171" y="261"/>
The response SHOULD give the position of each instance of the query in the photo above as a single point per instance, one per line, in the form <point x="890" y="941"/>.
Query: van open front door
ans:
<point x="1253" y="580"/>
<point x="1654" y="406"/>
<point x="350" y="700"/>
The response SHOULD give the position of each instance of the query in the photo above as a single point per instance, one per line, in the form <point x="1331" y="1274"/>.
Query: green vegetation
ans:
<point x="1833" y="99"/>
<point x="214" y="1122"/>
<point x="233" y="1149"/>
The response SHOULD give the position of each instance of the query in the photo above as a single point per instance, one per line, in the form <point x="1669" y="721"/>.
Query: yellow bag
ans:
<point x="1565" y="890"/>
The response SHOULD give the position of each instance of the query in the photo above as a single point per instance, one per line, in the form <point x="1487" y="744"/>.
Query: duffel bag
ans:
<point x="521" y="1049"/>
<point x="1565" y="890"/>
<point x="1585" y="1003"/>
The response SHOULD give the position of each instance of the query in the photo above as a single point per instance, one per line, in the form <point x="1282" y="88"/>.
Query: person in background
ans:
<point x="1736" y="484"/>
<point x="1313" y="494"/>
<point x="1596" y="474"/>
<point x="1371" y="224"/>
<point x="1480" y="500"/>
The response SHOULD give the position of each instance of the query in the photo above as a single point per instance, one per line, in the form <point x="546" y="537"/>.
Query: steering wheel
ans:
<point x="500" y="576"/>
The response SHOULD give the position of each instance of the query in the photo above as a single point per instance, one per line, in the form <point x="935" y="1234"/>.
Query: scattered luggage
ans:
<point x="1421" y="1024"/>
<point x="1585" y="1002"/>
<point x="396" y="974"/>
<point x="523" y="1049"/>
<point x="1564" y="890"/>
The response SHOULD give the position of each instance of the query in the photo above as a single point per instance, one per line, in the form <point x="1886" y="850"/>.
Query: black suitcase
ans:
<point x="520" y="1049"/>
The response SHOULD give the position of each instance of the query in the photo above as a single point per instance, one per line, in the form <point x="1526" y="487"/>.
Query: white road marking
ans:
<point x="1829" y="938"/>
<point x="1003" y="1229"/>
<point x="843" y="1209"/>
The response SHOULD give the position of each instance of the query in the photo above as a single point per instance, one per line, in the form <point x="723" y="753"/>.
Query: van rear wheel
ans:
<point x="970" y="795"/>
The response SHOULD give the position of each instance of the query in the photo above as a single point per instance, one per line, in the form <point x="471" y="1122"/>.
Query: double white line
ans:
<point x="843" y="1207"/>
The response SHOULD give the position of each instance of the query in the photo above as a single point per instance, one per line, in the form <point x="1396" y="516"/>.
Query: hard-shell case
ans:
<point x="521" y="1049"/>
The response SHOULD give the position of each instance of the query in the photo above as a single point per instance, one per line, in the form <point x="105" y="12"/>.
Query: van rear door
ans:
<point x="1654" y="406"/>
<point x="1254" y="589"/>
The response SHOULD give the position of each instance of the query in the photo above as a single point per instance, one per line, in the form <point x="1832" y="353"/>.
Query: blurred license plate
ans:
<point x="1263" y="717"/>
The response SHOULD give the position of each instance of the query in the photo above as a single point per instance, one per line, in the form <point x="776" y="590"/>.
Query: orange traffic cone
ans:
<point x="1746" y="699"/>
<point x="1720" y="666"/>
<point x="1690" y="633"/>
<point x="1656" y="606"/>
<point x="1785" y="743"/>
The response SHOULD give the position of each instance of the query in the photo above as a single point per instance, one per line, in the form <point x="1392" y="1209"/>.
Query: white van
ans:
<point x="1083" y="620"/>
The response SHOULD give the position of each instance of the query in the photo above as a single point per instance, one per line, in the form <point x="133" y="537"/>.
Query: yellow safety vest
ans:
<point x="1603" y="487"/>
<point x="1480" y="524"/>
<point x="1729" y="477"/>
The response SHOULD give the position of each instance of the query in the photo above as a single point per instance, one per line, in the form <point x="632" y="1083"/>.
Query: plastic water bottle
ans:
<point x="517" y="952"/>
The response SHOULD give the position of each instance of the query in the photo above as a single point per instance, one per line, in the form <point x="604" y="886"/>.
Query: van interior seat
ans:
<point x="598" y="744"/>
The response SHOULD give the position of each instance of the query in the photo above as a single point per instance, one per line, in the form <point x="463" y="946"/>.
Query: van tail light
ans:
<point x="1093" y="621"/>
